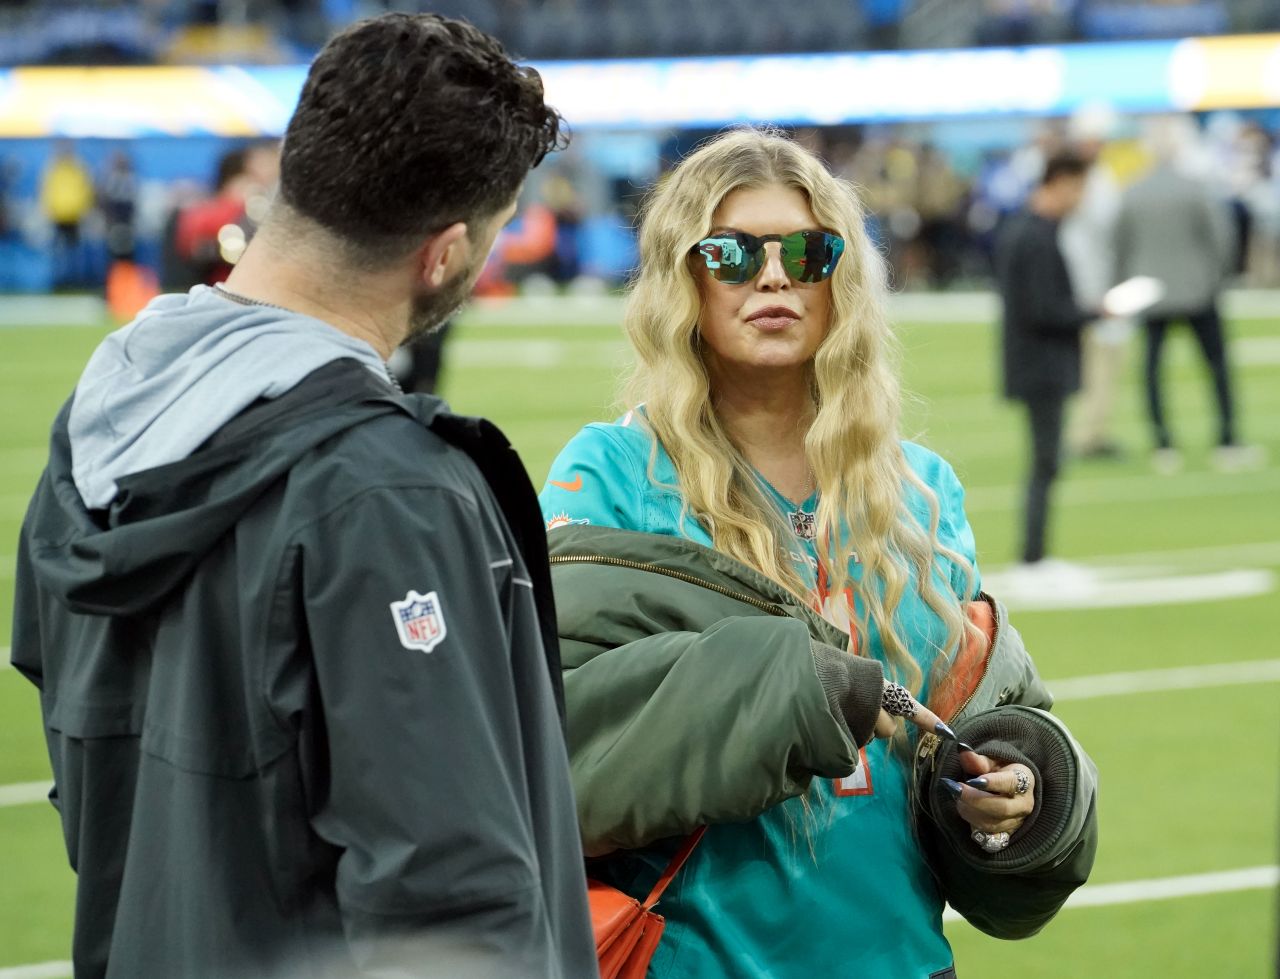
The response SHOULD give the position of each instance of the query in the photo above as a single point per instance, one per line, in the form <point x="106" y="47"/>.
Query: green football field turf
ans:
<point x="1189" y="769"/>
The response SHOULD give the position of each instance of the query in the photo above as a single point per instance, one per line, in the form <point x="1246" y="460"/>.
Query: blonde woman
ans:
<point x="741" y="562"/>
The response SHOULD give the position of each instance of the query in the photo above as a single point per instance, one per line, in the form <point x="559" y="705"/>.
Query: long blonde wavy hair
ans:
<point x="853" y="443"/>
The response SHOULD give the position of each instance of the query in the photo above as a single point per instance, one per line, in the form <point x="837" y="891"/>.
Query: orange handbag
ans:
<point x="628" y="931"/>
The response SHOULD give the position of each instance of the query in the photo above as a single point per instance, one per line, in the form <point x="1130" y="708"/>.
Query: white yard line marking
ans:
<point x="29" y="311"/>
<point x="917" y="308"/>
<point x="1139" y="589"/>
<point x="548" y="354"/>
<point x="1131" y="489"/>
<point x="24" y="793"/>
<point x="535" y="354"/>
<point x="1267" y="552"/>
<point x="1256" y="351"/>
<point x="1169" y="678"/>
<point x="1158" y="889"/>
<point x="4" y="658"/>
<point x="39" y="970"/>
<point x="979" y="308"/>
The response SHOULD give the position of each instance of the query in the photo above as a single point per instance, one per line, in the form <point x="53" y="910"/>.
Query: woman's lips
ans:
<point x="771" y="319"/>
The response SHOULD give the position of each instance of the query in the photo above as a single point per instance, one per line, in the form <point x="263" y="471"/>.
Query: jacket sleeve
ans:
<point x="420" y="781"/>
<point x="679" y="729"/>
<point x="1034" y="283"/>
<point x="1044" y="288"/>
<point x="1013" y="893"/>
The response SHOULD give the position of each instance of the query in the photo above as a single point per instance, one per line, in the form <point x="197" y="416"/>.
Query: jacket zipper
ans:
<point x="929" y="742"/>
<point x="678" y="575"/>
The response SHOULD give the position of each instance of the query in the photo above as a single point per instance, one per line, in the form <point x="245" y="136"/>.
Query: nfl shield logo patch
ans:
<point x="419" y="621"/>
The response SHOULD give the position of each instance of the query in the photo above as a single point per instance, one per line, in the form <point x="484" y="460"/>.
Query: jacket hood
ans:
<point x="123" y="559"/>
<point x="156" y="389"/>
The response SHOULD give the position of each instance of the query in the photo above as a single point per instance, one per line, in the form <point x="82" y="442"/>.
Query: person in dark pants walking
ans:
<point x="1206" y="325"/>
<point x="1170" y="227"/>
<point x="1042" y="325"/>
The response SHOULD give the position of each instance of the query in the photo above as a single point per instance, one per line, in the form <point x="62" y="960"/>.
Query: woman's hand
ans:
<point x="997" y="798"/>
<point x="898" y="702"/>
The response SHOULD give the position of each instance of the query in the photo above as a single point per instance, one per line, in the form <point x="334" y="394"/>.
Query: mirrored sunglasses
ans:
<point x="736" y="257"/>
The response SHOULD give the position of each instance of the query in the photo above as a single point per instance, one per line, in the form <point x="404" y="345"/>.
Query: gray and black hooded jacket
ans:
<point x="262" y="769"/>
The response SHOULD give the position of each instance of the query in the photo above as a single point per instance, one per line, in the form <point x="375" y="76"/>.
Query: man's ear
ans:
<point x="442" y="252"/>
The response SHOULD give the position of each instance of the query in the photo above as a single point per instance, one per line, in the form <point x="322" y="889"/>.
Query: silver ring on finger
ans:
<point x="995" y="842"/>
<point x="897" y="700"/>
<point x="1023" y="782"/>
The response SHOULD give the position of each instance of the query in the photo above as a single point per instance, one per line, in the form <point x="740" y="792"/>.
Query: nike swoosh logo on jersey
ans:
<point x="571" y="487"/>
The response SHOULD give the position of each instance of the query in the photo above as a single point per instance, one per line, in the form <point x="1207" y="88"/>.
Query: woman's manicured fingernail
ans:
<point x="977" y="783"/>
<point x="964" y="747"/>
<point x="952" y="786"/>
<point x="943" y="731"/>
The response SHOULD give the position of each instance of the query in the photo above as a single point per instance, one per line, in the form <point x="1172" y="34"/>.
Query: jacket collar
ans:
<point x="665" y="554"/>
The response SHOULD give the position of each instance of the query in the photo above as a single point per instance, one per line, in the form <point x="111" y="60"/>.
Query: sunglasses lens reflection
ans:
<point x="726" y="257"/>
<point x="811" y="256"/>
<point x="807" y="256"/>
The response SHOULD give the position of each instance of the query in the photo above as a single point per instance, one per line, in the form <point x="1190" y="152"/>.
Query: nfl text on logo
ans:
<point x="419" y="621"/>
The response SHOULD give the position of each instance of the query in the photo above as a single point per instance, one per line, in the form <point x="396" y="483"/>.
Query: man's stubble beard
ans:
<point x="429" y="311"/>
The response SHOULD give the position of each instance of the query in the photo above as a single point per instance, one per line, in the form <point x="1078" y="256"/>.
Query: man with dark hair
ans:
<point x="292" y="629"/>
<point x="1042" y="325"/>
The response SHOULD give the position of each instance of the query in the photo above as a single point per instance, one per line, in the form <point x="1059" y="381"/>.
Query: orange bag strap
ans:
<point x="673" y="868"/>
<point x="971" y="660"/>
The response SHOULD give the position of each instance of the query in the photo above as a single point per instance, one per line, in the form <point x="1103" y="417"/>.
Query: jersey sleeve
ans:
<point x="598" y="479"/>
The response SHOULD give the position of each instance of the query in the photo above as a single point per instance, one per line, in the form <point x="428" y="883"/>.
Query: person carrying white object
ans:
<point x="1085" y="239"/>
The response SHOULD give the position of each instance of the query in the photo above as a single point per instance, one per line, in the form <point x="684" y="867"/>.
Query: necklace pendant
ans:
<point x="803" y="525"/>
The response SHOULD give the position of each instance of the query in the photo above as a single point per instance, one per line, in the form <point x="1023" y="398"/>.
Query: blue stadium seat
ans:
<point x="1138" y="20"/>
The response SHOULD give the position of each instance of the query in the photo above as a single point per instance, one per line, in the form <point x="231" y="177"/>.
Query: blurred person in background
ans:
<point x="884" y="167"/>
<point x="941" y="198"/>
<point x="1235" y="166"/>
<point x="1242" y="158"/>
<point x="210" y="235"/>
<point x="1086" y="237"/>
<point x="1173" y="228"/>
<point x="66" y="199"/>
<point x="10" y="239"/>
<point x="293" y="629"/>
<point x="726" y="647"/>
<point x="1041" y="345"/>
<point x="882" y="20"/>
<point x="1262" y="268"/>
<point x="118" y="199"/>
<point x="129" y="287"/>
